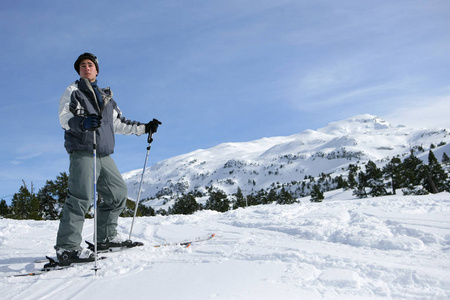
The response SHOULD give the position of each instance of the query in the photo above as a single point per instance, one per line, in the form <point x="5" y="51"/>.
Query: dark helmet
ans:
<point x="86" y="55"/>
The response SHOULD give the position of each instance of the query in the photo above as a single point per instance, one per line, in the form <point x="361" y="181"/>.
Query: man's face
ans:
<point x="88" y="70"/>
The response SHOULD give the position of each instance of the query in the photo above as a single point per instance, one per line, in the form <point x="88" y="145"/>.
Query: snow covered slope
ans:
<point x="257" y="164"/>
<point x="393" y="247"/>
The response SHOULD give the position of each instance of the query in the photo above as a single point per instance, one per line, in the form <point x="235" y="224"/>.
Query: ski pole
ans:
<point x="149" y="140"/>
<point x="95" y="201"/>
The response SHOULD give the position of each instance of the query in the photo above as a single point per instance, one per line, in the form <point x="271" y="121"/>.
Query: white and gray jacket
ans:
<point x="78" y="101"/>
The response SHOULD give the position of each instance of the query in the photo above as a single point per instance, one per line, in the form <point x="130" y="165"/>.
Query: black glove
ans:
<point x="152" y="126"/>
<point x="91" y="122"/>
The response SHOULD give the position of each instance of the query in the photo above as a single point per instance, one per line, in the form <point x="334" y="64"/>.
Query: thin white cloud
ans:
<point x="422" y="113"/>
<point x="27" y="156"/>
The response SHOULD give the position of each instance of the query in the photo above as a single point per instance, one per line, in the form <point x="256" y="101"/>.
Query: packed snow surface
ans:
<point x="394" y="247"/>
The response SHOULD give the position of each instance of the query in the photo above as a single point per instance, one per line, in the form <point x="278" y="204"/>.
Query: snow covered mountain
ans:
<point x="257" y="164"/>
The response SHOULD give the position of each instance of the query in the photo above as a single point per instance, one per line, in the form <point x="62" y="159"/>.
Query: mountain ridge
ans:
<point x="257" y="164"/>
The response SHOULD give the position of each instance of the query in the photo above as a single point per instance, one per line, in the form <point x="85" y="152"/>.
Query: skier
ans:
<point x="84" y="108"/>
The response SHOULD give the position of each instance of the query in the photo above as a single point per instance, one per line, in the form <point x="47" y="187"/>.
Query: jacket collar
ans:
<point x="85" y="86"/>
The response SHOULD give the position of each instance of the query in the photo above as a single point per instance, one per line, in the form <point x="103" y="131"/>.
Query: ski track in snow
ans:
<point x="344" y="248"/>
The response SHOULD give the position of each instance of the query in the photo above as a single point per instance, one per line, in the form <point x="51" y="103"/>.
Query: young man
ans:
<point x="85" y="110"/>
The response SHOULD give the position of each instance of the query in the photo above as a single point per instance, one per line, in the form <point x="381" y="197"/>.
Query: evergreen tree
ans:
<point x="316" y="194"/>
<point x="129" y="209"/>
<point x="392" y="171"/>
<point x="372" y="171"/>
<point x="260" y="197"/>
<point x="272" y="196"/>
<point x="374" y="179"/>
<point x="284" y="197"/>
<point x="24" y="205"/>
<point x="352" y="180"/>
<point x="146" y="211"/>
<point x="142" y="211"/>
<point x="217" y="200"/>
<point x="434" y="176"/>
<point x="252" y="200"/>
<point x="185" y="205"/>
<point x="410" y="171"/>
<point x="360" y="190"/>
<point x="352" y="174"/>
<point x="414" y="190"/>
<point x="341" y="183"/>
<point x="162" y="212"/>
<point x="35" y="213"/>
<point x="52" y="197"/>
<point x="445" y="159"/>
<point x="240" y="200"/>
<point x="4" y="208"/>
<point x="377" y="188"/>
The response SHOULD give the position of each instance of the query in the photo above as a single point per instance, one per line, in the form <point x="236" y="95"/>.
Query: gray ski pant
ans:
<point x="110" y="186"/>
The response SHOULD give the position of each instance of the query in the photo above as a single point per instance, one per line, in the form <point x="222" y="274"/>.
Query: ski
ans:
<point x="47" y="258"/>
<point x="188" y="243"/>
<point x="40" y="272"/>
<point x="115" y="249"/>
<point x="51" y="265"/>
<point x="137" y="244"/>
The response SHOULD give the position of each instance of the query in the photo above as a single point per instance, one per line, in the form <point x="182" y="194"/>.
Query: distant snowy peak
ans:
<point x="357" y="124"/>
<point x="255" y="165"/>
<point x="362" y="134"/>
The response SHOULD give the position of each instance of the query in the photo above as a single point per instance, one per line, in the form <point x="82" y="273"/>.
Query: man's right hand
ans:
<point x="91" y="122"/>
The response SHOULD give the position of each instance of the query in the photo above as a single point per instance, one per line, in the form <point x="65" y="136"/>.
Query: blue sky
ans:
<point x="216" y="71"/>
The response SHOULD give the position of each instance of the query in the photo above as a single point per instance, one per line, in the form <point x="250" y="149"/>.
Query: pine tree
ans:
<point x="374" y="179"/>
<point x="352" y="173"/>
<point x="352" y="180"/>
<point x="24" y="205"/>
<point x="372" y="171"/>
<point x="142" y="211"/>
<point x="392" y="171"/>
<point x="52" y="197"/>
<point x="410" y="171"/>
<point x="285" y="197"/>
<point x="252" y="199"/>
<point x="4" y="208"/>
<point x="35" y="213"/>
<point x="445" y="159"/>
<point x="261" y="197"/>
<point x="434" y="176"/>
<point x="360" y="190"/>
<point x="272" y="196"/>
<point x="162" y="212"/>
<point x="240" y="199"/>
<point x="146" y="211"/>
<point x="377" y="188"/>
<point x="316" y="194"/>
<point x="129" y="209"/>
<point x="217" y="200"/>
<point x="341" y="182"/>
<point x="185" y="205"/>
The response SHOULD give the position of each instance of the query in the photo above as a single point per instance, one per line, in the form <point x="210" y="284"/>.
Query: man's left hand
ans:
<point x="152" y="126"/>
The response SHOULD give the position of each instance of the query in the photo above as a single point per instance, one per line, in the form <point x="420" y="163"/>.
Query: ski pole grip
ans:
<point x="150" y="137"/>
